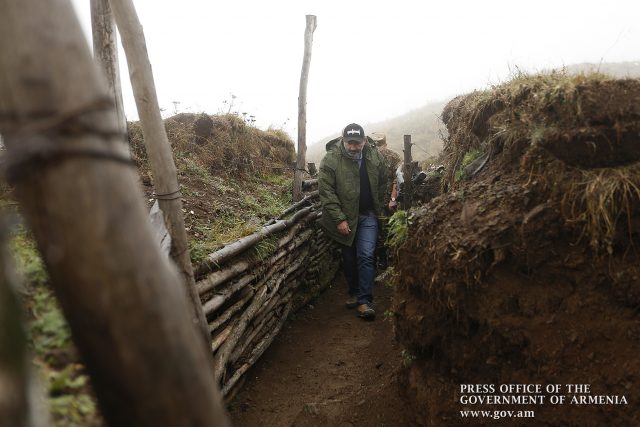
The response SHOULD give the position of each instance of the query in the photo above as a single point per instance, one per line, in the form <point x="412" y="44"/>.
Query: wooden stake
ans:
<point x="302" y="108"/>
<point x="158" y="149"/>
<point x="407" y="191"/>
<point x="15" y="365"/>
<point x="82" y="200"/>
<point x="105" y="51"/>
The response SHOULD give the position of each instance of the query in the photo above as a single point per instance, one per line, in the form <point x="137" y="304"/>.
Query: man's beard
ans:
<point x="354" y="156"/>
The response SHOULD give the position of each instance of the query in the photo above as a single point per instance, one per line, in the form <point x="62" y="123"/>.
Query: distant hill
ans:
<point x="614" y="69"/>
<point x="423" y="124"/>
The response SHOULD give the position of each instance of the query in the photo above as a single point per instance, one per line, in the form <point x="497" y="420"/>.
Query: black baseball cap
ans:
<point x="353" y="133"/>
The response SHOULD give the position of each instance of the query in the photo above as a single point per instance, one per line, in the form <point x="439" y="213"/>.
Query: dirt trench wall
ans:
<point x="528" y="272"/>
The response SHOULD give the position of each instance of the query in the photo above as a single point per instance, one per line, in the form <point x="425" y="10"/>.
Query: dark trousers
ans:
<point x="358" y="260"/>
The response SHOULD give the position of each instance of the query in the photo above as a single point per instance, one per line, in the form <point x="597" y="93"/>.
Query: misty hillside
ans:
<point x="423" y="124"/>
<point x="614" y="69"/>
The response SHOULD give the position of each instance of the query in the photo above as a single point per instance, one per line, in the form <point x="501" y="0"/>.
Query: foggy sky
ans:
<point x="371" y="59"/>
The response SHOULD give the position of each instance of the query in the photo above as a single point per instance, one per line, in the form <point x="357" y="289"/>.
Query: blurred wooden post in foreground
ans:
<point x="407" y="191"/>
<point x="14" y="363"/>
<point x="163" y="168"/>
<point x="302" y="109"/>
<point x="105" y="51"/>
<point x="80" y="195"/>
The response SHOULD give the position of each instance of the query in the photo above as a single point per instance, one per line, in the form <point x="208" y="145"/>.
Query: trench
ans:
<point x="326" y="367"/>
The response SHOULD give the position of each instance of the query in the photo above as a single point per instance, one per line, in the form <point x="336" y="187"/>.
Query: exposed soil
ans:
<point x="527" y="272"/>
<point x="327" y="368"/>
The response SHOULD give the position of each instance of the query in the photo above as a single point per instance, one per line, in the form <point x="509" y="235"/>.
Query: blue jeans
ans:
<point x="358" y="260"/>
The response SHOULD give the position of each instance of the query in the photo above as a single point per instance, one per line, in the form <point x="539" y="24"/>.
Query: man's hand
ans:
<point x="343" y="228"/>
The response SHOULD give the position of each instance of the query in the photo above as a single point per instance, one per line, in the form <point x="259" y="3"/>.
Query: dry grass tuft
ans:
<point x="231" y="148"/>
<point x="573" y="135"/>
<point x="602" y="200"/>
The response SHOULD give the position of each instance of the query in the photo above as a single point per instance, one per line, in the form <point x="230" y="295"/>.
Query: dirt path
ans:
<point x="327" y="368"/>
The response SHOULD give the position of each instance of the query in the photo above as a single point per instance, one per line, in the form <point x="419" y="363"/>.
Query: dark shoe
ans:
<point x="352" y="302"/>
<point x="366" y="312"/>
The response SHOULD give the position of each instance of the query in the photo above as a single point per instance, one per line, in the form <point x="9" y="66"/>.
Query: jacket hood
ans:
<point x="333" y="143"/>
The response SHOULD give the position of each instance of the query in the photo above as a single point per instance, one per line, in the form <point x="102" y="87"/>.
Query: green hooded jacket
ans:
<point x="339" y="187"/>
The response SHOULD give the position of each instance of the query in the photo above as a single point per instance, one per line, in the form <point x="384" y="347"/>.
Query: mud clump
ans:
<point x="526" y="269"/>
<point x="225" y="145"/>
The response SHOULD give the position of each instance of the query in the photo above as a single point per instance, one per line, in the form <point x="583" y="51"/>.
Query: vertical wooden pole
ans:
<point x="14" y="361"/>
<point x="105" y="51"/>
<point x="407" y="191"/>
<point x="81" y="198"/>
<point x="302" y="109"/>
<point x="156" y="142"/>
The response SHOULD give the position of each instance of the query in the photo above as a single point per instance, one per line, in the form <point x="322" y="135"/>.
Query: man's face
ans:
<point x="354" y="147"/>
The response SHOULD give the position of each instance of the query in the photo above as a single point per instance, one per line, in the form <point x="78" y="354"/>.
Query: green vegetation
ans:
<point x="407" y="358"/>
<point x="48" y="328"/>
<point x="232" y="181"/>
<point x="468" y="158"/>
<point x="249" y="208"/>
<point x="265" y="248"/>
<point x="69" y="403"/>
<point x="398" y="228"/>
<point x="69" y="399"/>
<point x="28" y="261"/>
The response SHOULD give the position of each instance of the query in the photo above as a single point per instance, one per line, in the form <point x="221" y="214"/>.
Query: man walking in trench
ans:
<point x="352" y="185"/>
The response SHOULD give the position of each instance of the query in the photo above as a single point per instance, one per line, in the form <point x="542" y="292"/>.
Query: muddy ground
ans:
<point x="327" y="368"/>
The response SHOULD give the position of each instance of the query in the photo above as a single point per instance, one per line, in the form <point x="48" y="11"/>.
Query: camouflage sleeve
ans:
<point x="383" y="188"/>
<point x="327" y="190"/>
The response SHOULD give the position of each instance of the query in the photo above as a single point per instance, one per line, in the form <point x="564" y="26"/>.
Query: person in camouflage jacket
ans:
<point x="352" y="183"/>
<point x="392" y="161"/>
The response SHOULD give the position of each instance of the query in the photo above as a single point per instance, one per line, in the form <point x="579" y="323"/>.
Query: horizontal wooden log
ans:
<point x="319" y="253"/>
<point x="240" y="245"/>
<point x="256" y="333"/>
<point x="219" y="299"/>
<point x="219" y="339"/>
<point x="228" y="314"/>
<point x="258" y="350"/>
<point x="223" y="295"/>
<point x="239" y="327"/>
<point x="307" y="199"/>
<point x="271" y="300"/>
<point x="214" y="279"/>
<point x="309" y="184"/>
<point x="279" y="279"/>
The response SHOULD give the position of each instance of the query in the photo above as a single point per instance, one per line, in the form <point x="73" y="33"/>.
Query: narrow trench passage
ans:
<point x="326" y="368"/>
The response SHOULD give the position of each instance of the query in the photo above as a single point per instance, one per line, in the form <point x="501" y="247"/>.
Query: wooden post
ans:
<point x="105" y="51"/>
<point x="407" y="191"/>
<point x="14" y="361"/>
<point x="80" y="196"/>
<point x="156" y="142"/>
<point x="302" y="109"/>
